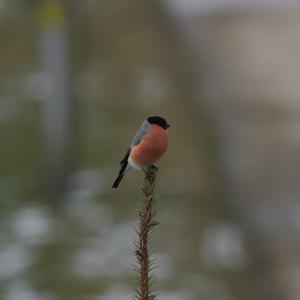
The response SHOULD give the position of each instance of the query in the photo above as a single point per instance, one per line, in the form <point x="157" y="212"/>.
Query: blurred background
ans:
<point x="77" y="78"/>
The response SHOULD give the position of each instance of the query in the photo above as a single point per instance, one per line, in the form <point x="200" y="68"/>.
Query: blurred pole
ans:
<point x="57" y="114"/>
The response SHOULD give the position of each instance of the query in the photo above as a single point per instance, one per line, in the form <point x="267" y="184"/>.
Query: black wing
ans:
<point x="124" y="162"/>
<point x="123" y="165"/>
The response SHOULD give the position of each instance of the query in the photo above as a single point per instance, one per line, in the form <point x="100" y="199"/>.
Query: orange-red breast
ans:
<point x="147" y="146"/>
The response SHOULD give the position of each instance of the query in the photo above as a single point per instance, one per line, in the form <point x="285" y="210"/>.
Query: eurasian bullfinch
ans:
<point x="147" y="146"/>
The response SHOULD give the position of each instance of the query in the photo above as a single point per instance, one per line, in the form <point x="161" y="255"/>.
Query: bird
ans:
<point x="147" y="146"/>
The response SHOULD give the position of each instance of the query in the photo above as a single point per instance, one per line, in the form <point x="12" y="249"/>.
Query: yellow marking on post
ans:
<point x="52" y="13"/>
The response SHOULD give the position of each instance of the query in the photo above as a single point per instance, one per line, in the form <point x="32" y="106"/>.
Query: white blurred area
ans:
<point x="222" y="246"/>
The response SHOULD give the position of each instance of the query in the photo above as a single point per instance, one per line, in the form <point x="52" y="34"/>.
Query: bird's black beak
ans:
<point x="168" y="125"/>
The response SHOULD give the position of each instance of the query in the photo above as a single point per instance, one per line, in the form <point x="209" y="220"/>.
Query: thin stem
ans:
<point x="146" y="224"/>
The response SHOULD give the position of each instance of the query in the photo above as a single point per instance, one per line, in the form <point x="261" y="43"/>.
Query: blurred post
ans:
<point x="57" y="115"/>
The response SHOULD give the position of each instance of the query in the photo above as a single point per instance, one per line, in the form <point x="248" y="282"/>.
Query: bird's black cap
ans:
<point x="158" y="121"/>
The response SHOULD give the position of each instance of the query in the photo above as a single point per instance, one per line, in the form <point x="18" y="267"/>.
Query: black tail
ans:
<point x="117" y="181"/>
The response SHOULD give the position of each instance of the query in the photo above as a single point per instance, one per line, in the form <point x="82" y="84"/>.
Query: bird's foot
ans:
<point x="150" y="173"/>
<point x="153" y="167"/>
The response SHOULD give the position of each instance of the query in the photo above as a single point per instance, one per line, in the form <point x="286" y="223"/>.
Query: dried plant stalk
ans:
<point x="146" y="212"/>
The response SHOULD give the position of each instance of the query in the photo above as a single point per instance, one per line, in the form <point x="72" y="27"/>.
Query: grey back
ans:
<point x="140" y="134"/>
